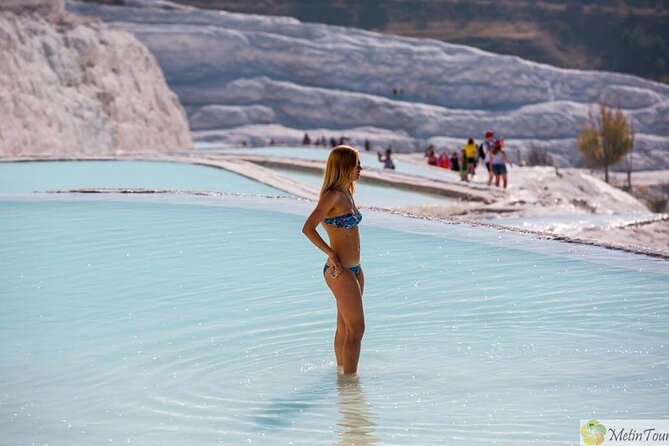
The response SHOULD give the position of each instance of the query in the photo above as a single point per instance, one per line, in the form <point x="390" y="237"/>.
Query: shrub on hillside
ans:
<point x="605" y="139"/>
<point x="658" y="204"/>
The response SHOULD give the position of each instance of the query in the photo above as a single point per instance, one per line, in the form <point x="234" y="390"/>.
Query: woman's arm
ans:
<point x="506" y="159"/>
<point x="325" y="204"/>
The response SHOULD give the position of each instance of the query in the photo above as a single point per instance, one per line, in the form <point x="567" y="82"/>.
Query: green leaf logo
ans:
<point x="593" y="432"/>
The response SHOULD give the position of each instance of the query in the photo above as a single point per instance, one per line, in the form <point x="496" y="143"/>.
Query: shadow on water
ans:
<point x="281" y="412"/>
<point x="356" y="424"/>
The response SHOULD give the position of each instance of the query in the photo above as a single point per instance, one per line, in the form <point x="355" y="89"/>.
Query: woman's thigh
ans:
<point x="361" y="281"/>
<point x="348" y="293"/>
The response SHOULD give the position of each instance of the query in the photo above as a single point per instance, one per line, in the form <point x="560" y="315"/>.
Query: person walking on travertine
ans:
<point x="488" y="145"/>
<point x="499" y="161"/>
<point x="337" y="212"/>
<point x="471" y="153"/>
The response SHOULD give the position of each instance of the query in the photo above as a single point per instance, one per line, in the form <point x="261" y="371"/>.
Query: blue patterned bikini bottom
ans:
<point x="355" y="269"/>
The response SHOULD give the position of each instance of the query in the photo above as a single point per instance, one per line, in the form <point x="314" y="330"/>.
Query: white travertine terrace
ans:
<point x="70" y="84"/>
<point x="535" y="191"/>
<point x="251" y="78"/>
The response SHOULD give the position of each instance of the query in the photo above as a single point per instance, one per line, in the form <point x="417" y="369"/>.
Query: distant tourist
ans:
<point x="368" y="145"/>
<point x="337" y="212"/>
<point x="481" y="153"/>
<point x="386" y="159"/>
<point x="444" y="160"/>
<point x="272" y="142"/>
<point x="333" y="142"/>
<point x="499" y="162"/>
<point x="464" y="169"/>
<point x="432" y="159"/>
<point x="471" y="153"/>
<point x="455" y="163"/>
<point x="488" y="145"/>
<point x="306" y="140"/>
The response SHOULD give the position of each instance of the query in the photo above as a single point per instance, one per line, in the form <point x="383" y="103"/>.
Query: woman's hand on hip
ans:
<point x="335" y="266"/>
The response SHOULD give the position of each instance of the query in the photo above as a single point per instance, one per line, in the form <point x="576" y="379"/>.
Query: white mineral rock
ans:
<point x="310" y="77"/>
<point x="72" y="85"/>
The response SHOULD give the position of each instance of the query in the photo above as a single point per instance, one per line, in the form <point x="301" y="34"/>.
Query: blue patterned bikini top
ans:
<point x="346" y="221"/>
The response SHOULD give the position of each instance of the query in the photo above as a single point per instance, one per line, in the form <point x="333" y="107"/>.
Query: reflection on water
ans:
<point x="356" y="425"/>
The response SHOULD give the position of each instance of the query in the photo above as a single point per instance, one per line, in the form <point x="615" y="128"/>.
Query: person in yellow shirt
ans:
<point x="471" y="152"/>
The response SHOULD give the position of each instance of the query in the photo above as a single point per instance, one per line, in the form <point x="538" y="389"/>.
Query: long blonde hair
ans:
<point x="342" y="161"/>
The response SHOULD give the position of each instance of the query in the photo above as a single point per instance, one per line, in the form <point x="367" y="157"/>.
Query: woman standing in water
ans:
<point x="340" y="217"/>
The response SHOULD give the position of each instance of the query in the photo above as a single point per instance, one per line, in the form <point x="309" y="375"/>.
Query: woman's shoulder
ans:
<point x="333" y="193"/>
<point x="333" y="196"/>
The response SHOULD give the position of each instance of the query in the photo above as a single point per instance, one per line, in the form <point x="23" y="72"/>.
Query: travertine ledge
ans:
<point x="649" y="237"/>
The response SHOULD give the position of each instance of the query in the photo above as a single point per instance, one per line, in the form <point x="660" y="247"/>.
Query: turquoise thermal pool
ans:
<point x="370" y="194"/>
<point x="368" y="160"/>
<point x="54" y="175"/>
<point x="182" y="320"/>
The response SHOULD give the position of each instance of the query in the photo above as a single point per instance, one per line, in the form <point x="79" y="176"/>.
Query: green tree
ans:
<point x="605" y="139"/>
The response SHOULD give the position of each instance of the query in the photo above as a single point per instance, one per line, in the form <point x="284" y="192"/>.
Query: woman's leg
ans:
<point x="340" y="331"/>
<point x="361" y="281"/>
<point x="504" y="181"/>
<point x="346" y="290"/>
<point x="340" y="336"/>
